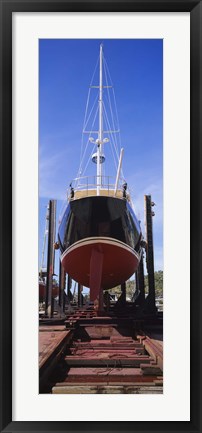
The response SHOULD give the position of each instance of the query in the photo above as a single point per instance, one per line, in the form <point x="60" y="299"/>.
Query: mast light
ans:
<point x="94" y="158"/>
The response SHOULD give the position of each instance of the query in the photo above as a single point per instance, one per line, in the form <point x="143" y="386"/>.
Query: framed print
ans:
<point x="91" y="357"/>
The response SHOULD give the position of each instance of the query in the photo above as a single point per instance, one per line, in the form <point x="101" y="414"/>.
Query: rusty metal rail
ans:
<point x="107" y="355"/>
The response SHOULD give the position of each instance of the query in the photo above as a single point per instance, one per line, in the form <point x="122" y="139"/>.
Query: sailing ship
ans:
<point x="99" y="234"/>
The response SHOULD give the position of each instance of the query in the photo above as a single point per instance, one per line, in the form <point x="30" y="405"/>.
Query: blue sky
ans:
<point x="65" y="71"/>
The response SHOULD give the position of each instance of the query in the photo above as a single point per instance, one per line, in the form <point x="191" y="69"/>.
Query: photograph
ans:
<point x="100" y="240"/>
<point x="100" y="216"/>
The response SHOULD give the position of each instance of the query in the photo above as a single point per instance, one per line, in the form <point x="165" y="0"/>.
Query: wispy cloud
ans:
<point x="150" y="185"/>
<point x="52" y="174"/>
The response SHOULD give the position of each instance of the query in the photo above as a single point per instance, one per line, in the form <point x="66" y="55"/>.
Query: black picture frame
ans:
<point x="6" y="9"/>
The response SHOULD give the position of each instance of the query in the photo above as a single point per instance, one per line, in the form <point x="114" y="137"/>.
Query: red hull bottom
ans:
<point x="100" y="263"/>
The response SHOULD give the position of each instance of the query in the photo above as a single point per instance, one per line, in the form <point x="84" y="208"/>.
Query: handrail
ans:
<point x="89" y="182"/>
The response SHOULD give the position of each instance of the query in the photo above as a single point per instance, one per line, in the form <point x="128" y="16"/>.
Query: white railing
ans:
<point x="90" y="183"/>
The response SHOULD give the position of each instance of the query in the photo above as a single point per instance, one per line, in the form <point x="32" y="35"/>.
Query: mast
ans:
<point x="98" y="157"/>
<point x="100" y="132"/>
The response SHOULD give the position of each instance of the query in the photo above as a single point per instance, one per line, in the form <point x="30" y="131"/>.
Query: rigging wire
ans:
<point x="86" y="109"/>
<point x="85" y="115"/>
<point x="111" y="134"/>
<point x="118" y="148"/>
<point x="84" y="151"/>
<point x="89" y="159"/>
<point x="88" y="140"/>
<point x="90" y="133"/>
<point x="115" y="105"/>
<point x="111" y="121"/>
<point x="111" y="141"/>
<point x="95" y="100"/>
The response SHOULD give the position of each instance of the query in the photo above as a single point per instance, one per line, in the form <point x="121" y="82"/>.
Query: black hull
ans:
<point x="98" y="216"/>
<point x="99" y="239"/>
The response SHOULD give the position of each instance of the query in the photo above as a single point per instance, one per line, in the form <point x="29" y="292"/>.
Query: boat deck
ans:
<point x="105" y="192"/>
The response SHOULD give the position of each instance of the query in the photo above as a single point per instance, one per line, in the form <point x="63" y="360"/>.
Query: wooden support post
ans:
<point x="64" y="298"/>
<point x="81" y="296"/>
<point x="101" y="303"/>
<point x="50" y="258"/>
<point x="141" y="285"/>
<point x="122" y="299"/>
<point x="123" y="293"/>
<point x="69" y="293"/>
<point x="150" y="254"/>
<point x="136" y="284"/>
<point x="62" y="283"/>
<point x="80" y="288"/>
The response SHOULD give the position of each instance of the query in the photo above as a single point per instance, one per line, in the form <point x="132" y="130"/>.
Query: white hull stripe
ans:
<point x="104" y="240"/>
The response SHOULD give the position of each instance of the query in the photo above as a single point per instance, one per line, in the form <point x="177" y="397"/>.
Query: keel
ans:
<point x="96" y="264"/>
